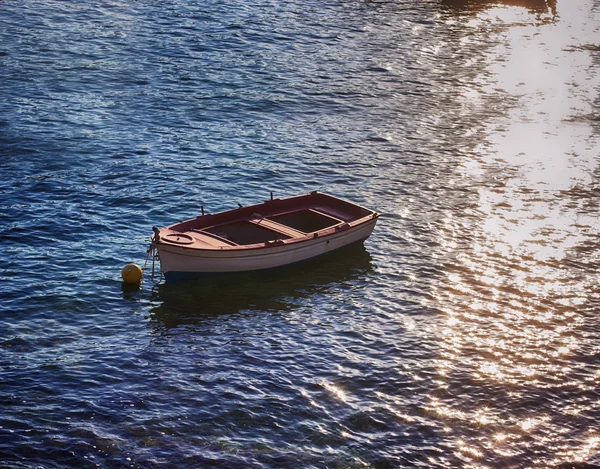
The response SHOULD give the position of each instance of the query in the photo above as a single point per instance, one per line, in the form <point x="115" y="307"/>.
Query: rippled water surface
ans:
<point x="465" y="333"/>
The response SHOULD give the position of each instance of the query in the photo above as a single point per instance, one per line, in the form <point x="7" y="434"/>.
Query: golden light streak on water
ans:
<point x="512" y="293"/>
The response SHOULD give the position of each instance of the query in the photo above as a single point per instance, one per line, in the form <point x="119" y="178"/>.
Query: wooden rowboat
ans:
<point x="272" y="234"/>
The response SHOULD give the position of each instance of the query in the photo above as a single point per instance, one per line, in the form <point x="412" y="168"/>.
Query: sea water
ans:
<point x="464" y="333"/>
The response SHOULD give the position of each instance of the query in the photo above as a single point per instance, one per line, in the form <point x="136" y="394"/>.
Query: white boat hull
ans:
<point x="180" y="262"/>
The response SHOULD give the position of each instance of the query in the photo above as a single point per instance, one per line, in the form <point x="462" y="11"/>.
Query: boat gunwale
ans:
<point x="322" y="234"/>
<point x="325" y="206"/>
<point x="252" y="249"/>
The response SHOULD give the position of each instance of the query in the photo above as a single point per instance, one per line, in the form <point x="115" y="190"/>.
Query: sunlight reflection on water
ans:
<point x="516" y="300"/>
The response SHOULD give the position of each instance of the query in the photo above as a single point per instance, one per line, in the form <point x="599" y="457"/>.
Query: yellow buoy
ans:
<point x="131" y="273"/>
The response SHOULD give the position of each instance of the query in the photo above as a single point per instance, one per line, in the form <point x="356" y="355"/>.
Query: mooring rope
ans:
<point x="152" y="252"/>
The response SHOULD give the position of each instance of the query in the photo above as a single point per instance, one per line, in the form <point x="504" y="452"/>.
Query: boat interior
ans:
<point x="259" y="229"/>
<point x="271" y="222"/>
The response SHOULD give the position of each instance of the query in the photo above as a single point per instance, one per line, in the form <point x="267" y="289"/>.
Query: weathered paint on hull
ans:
<point x="179" y="263"/>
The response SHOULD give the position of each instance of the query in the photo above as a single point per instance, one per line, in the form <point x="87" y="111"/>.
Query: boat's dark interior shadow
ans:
<point x="279" y="289"/>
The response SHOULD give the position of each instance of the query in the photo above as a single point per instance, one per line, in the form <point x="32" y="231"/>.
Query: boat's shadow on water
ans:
<point x="275" y="290"/>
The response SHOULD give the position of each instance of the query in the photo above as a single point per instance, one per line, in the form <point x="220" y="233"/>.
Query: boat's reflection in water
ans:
<point x="280" y="289"/>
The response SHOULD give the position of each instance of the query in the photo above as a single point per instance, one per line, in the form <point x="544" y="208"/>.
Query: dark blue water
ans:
<point x="463" y="334"/>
